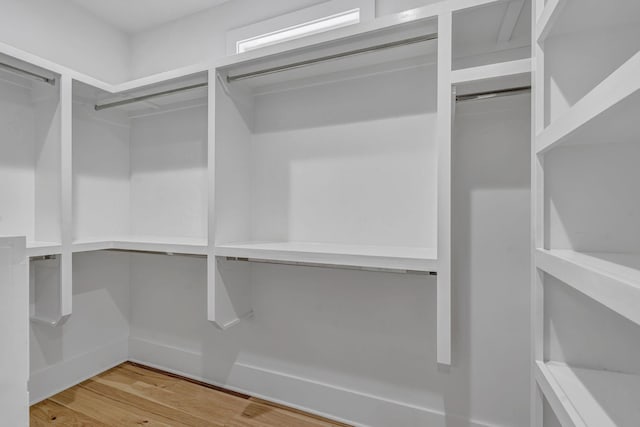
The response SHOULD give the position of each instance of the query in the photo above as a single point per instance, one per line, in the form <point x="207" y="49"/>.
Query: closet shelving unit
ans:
<point x="331" y="161"/>
<point x="280" y="134"/>
<point x="587" y="101"/>
<point x="262" y="169"/>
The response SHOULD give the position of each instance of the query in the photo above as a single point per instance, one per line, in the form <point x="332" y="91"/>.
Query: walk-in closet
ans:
<point x="319" y="213"/>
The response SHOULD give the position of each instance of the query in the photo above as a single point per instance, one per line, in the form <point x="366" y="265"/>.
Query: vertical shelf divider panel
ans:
<point x="52" y="281"/>
<point x="66" y="267"/>
<point x="228" y="283"/>
<point x="14" y="316"/>
<point x="537" y="215"/>
<point x="445" y="125"/>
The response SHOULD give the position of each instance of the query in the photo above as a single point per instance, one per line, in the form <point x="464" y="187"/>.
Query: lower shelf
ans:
<point x="371" y="257"/>
<point x="611" y="279"/>
<point x="171" y="245"/>
<point x="591" y="398"/>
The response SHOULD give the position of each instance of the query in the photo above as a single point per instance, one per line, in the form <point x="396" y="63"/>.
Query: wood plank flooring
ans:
<point x="134" y="395"/>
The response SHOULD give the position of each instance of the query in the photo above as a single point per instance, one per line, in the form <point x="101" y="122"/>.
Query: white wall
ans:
<point x="61" y="32"/>
<point x="202" y="36"/>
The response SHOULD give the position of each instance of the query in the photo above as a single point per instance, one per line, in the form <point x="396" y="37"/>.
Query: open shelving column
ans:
<point x="246" y="118"/>
<point x="595" y="115"/>
<point x="34" y="140"/>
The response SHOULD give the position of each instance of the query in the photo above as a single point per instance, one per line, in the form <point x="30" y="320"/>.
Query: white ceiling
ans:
<point x="133" y="16"/>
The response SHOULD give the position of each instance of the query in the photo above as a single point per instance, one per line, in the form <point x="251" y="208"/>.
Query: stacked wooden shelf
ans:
<point x="587" y="397"/>
<point x="610" y="111"/>
<point x="371" y="257"/>
<point x="580" y="111"/>
<point x="611" y="279"/>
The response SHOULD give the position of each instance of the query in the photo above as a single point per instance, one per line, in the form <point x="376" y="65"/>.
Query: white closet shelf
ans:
<point x="611" y="279"/>
<point x="374" y="257"/>
<point x="37" y="249"/>
<point x="177" y="245"/>
<point x="588" y="397"/>
<point x="610" y="110"/>
<point x="491" y="71"/>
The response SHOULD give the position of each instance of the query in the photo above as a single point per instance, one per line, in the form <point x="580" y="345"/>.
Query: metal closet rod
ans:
<point x="314" y="61"/>
<point x="336" y="266"/>
<point x="493" y="94"/>
<point x="141" y="98"/>
<point x="21" y="72"/>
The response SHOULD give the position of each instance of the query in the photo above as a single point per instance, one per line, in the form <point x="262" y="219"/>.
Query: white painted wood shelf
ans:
<point x="491" y="71"/>
<point x="171" y="245"/>
<point x="373" y="257"/>
<point x="590" y="398"/>
<point x="611" y="279"/>
<point x="38" y="249"/>
<point x="610" y="110"/>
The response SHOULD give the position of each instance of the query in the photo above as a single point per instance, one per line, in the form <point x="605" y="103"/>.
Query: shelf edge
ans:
<point x="560" y="403"/>
<point x="491" y="71"/>
<point x="601" y="98"/>
<point x="615" y="293"/>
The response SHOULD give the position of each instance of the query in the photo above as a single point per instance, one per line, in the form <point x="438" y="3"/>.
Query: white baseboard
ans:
<point x="67" y="373"/>
<point x="330" y="401"/>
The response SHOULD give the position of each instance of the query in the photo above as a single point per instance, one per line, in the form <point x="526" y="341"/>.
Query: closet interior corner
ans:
<point x="140" y="174"/>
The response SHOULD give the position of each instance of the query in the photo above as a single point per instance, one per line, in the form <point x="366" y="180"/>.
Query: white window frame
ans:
<point x="301" y="23"/>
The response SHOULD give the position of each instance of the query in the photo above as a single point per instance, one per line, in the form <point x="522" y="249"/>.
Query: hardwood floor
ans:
<point x="133" y="395"/>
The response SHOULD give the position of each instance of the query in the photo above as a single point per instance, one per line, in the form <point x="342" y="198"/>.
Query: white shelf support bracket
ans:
<point x="445" y="123"/>
<point x="223" y="84"/>
<point x="229" y="293"/>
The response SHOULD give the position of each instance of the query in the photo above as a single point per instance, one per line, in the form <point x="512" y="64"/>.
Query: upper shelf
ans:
<point x="492" y="77"/>
<point x="609" y="113"/>
<point x="611" y="279"/>
<point x="496" y="32"/>
<point x="561" y="17"/>
<point x="38" y="249"/>
<point x="588" y="397"/>
<point x="492" y="71"/>
<point x="373" y="257"/>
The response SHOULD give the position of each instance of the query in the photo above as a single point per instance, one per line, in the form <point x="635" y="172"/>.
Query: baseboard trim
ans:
<point x="67" y="373"/>
<point x="321" y="399"/>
